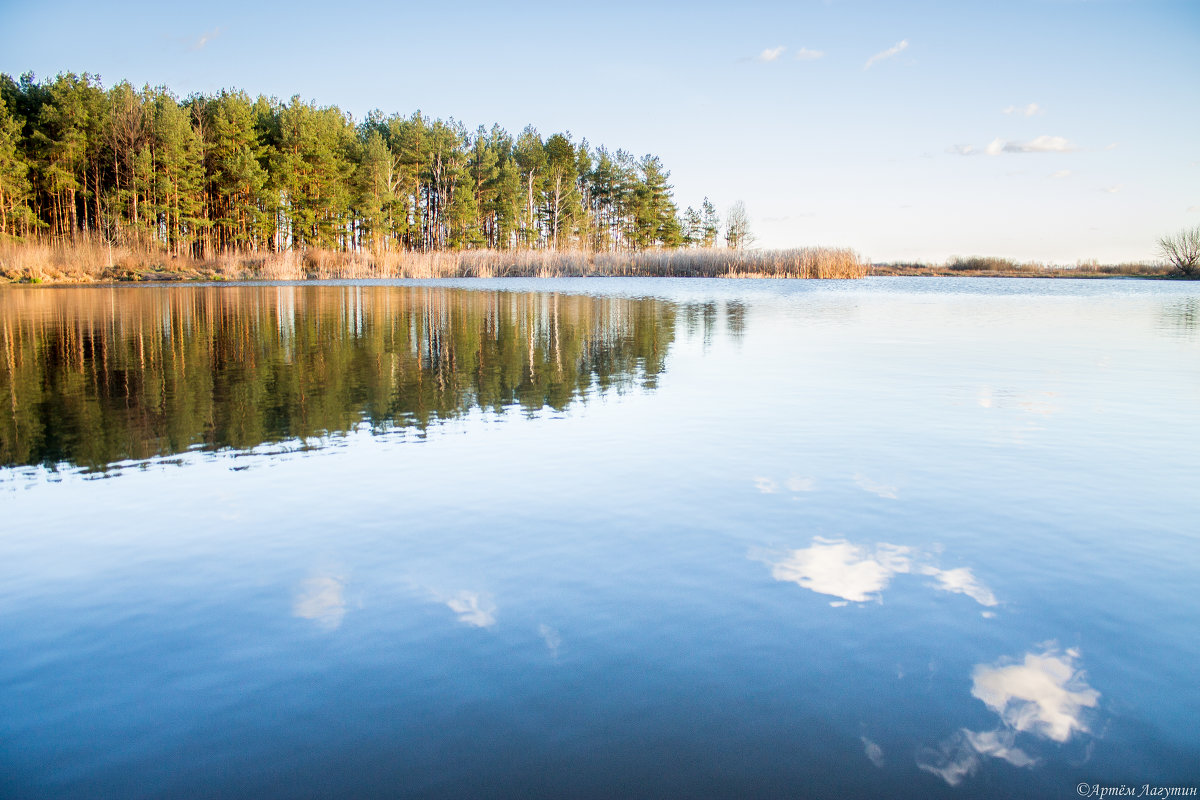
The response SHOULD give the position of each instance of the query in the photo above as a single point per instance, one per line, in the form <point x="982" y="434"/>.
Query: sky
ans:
<point x="1041" y="130"/>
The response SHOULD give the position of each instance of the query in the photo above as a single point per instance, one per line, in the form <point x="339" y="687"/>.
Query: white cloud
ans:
<point x="1024" y="111"/>
<point x="963" y="150"/>
<point x="1062" y="173"/>
<point x="321" y="600"/>
<point x="473" y="610"/>
<point x="205" y="38"/>
<point x="1042" y="144"/>
<point x="1112" y="146"/>
<point x="1193" y="209"/>
<point x="772" y="53"/>
<point x="1114" y="189"/>
<point x="804" y="54"/>
<point x="891" y="51"/>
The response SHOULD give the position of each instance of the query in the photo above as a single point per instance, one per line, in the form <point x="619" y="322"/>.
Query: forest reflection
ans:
<point x="94" y="376"/>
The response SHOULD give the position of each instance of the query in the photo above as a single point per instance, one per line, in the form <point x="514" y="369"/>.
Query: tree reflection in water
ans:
<point x="95" y="376"/>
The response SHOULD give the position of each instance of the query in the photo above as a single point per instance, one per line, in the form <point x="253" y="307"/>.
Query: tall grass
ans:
<point x="88" y="261"/>
<point x="83" y="260"/>
<point x="992" y="266"/>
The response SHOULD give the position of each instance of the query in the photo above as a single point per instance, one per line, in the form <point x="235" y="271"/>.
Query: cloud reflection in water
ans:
<point x="873" y="751"/>
<point x="552" y="639"/>
<point x="800" y="483"/>
<point x="857" y="573"/>
<point x="479" y="612"/>
<point x="842" y="569"/>
<point x="884" y="490"/>
<point x="961" y="581"/>
<point x="322" y="600"/>
<point x="1044" y="696"/>
<point x="765" y="485"/>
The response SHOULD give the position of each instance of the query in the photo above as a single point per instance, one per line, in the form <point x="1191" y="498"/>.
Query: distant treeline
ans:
<point x="213" y="175"/>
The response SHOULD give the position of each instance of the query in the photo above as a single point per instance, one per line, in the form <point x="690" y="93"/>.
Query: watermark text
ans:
<point x="1124" y="790"/>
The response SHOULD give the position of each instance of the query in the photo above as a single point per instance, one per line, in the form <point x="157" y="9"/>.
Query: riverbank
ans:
<point x="985" y="267"/>
<point x="92" y="262"/>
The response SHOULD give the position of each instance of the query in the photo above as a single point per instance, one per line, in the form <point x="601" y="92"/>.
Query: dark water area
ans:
<point x="600" y="538"/>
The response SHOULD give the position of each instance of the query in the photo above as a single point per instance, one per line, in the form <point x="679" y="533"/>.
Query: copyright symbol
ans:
<point x="1083" y="789"/>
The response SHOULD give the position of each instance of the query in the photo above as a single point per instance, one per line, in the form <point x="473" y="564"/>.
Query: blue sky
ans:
<point x="1051" y="130"/>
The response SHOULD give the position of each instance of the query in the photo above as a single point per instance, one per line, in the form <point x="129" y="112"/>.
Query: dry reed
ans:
<point x="90" y="261"/>
<point x="993" y="267"/>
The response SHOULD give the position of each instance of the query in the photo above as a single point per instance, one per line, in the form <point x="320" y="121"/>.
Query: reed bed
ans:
<point x="89" y="261"/>
<point x="993" y="267"/>
<point x="84" y="260"/>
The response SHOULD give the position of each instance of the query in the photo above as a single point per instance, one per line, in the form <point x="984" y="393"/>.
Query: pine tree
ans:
<point x="14" y="177"/>
<point x="711" y="223"/>
<point x="693" y="228"/>
<point x="561" y="186"/>
<point x="223" y="173"/>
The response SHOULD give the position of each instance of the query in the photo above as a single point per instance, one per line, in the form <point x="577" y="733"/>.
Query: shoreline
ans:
<point x="151" y="275"/>
<point x="1048" y="273"/>
<point x="90" y="262"/>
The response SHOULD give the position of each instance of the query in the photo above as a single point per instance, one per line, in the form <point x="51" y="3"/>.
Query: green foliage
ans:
<point x="228" y="174"/>
<point x="14" y="175"/>
<point x="711" y="224"/>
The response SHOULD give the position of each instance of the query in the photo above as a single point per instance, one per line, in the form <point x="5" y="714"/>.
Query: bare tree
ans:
<point x="737" y="227"/>
<point x="1182" y="251"/>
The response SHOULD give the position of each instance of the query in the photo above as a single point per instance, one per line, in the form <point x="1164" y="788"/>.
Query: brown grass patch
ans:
<point x="88" y="261"/>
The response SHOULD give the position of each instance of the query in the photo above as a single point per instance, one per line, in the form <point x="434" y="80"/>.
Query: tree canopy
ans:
<point x="231" y="174"/>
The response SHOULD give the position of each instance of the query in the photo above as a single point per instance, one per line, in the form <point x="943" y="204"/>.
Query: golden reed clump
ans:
<point x="88" y="261"/>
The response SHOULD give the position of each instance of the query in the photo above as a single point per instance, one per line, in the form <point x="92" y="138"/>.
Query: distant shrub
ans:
<point x="982" y="264"/>
<point x="1182" y="251"/>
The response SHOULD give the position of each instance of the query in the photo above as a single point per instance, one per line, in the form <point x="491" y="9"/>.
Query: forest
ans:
<point x="212" y="175"/>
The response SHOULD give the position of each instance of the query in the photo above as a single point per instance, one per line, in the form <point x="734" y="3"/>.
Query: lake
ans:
<point x="895" y="537"/>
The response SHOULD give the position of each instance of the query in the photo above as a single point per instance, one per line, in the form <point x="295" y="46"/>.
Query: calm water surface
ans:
<point x="600" y="538"/>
